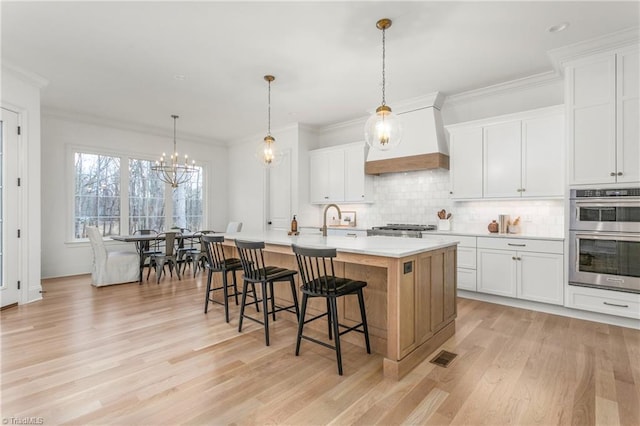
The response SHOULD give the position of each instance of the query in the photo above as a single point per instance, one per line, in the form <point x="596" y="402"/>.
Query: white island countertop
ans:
<point x="376" y="246"/>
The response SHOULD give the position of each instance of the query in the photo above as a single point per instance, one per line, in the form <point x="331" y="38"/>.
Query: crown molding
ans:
<point x="27" y="76"/>
<point x="560" y="56"/>
<point x="74" y="116"/>
<point x="525" y="83"/>
<point x="342" y="125"/>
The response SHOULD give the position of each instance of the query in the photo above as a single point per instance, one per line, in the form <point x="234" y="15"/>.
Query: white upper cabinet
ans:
<point x="543" y="157"/>
<point x="602" y="107"/>
<point x="501" y="159"/>
<point x="512" y="156"/>
<point x="466" y="162"/>
<point x="326" y="176"/>
<point x="628" y="117"/>
<point x="336" y="174"/>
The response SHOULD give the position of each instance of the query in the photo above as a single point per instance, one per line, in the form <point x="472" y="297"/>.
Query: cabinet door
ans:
<point x="591" y="107"/>
<point x="497" y="272"/>
<point x="466" y="163"/>
<point x="466" y="279"/>
<point x="502" y="160"/>
<point x="543" y="156"/>
<point x="318" y="177"/>
<point x="355" y="181"/>
<point x="541" y="277"/>
<point x="628" y="100"/>
<point x="280" y="194"/>
<point x="335" y="172"/>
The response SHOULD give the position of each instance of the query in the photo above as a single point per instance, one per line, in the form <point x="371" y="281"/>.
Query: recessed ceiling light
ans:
<point x="179" y="77"/>
<point x="558" y="27"/>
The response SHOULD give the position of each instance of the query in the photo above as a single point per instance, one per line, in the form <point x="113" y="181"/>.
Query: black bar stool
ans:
<point x="319" y="280"/>
<point x="255" y="271"/>
<point x="217" y="262"/>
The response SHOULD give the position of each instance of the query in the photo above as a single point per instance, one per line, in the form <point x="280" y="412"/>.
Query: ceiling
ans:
<point x="120" y="60"/>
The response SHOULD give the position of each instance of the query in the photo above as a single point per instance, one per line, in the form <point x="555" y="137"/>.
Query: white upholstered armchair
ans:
<point x="111" y="267"/>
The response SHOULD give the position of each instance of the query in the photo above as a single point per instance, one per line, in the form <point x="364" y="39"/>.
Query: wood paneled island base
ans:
<point x="410" y="299"/>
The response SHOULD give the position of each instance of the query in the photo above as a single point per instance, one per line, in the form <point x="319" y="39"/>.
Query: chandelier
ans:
<point x="267" y="153"/>
<point x="170" y="170"/>
<point x="383" y="130"/>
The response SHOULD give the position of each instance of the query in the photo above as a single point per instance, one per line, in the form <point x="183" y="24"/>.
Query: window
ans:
<point x="97" y="194"/>
<point x="123" y="201"/>
<point x="187" y="203"/>
<point x="146" y="197"/>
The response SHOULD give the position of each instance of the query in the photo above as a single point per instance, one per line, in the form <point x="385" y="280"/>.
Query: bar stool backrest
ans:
<point x="214" y="249"/>
<point x="252" y="259"/>
<point x="316" y="268"/>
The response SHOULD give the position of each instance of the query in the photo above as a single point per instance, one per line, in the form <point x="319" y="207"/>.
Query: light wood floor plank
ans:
<point x="147" y="354"/>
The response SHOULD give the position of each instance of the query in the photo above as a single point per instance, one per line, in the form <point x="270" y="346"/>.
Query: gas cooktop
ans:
<point x="400" y="230"/>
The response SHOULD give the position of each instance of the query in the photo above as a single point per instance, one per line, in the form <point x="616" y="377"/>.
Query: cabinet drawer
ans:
<point x="521" y="244"/>
<point x="465" y="241"/>
<point x="341" y="232"/>
<point x="467" y="279"/>
<point x="466" y="257"/>
<point x="604" y="301"/>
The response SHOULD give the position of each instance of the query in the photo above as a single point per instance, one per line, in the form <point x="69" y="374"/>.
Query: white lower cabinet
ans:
<point x="466" y="258"/>
<point x="526" y="269"/>
<point x="604" y="301"/>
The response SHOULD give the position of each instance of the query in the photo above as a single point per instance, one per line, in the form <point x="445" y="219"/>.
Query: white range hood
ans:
<point x="423" y="145"/>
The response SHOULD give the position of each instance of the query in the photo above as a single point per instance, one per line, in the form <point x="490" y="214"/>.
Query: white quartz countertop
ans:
<point x="494" y="235"/>
<point x="376" y="246"/>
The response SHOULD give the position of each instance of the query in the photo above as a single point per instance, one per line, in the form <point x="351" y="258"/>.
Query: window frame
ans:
<point x="124" y="157"/>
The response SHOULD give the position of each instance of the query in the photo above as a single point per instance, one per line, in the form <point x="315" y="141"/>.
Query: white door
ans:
<point x="497" y="272"/>
<point x="280" y="195"/>
<point x="9" y="205"/>
<point x="628" y="108"/>
<point x="502" y="155"/>
<point x="543" y="156"/>
<point x="466" y="163"/>
<point x="541" y="277"/>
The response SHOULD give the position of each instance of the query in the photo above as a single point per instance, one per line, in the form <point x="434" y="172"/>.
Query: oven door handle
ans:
<point x="620" y="236"/>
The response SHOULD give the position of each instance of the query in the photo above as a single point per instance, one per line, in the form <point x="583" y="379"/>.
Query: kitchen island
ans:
<point x="410" y="297"/>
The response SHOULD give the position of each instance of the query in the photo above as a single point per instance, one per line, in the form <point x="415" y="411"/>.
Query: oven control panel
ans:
<point x="603" y="193"/>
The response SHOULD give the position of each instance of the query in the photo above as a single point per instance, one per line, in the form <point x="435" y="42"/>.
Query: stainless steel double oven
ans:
<point x="604" y="242"/>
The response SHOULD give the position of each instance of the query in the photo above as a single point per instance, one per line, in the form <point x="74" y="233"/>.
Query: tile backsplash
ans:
<point x="416" y="197"/>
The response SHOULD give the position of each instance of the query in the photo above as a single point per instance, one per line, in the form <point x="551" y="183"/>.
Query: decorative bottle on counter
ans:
<point x="493" y="226"/>
<point x="294" y="224"/>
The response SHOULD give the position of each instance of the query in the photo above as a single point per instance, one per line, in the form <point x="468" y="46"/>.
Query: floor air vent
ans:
<point x="444" y="358"/>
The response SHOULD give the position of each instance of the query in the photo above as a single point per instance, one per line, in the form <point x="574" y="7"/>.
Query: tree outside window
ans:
<point x="97" y="194"/>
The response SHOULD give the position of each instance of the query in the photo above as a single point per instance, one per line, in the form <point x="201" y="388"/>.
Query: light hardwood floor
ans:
<point x="147" y="354"/>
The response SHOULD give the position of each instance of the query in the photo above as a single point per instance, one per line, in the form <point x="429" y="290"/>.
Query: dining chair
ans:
<point x="145" y="250"/>
<point x="319" y="280"/>
<point x="111" y="267"/>
<point x="167" y="257"/>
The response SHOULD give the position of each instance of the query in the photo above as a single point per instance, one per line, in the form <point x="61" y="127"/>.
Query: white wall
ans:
<point x="60" y="256"/>
<point x="21" y="93"/>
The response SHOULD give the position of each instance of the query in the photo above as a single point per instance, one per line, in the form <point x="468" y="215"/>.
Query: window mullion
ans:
<point x="124" y="196"/>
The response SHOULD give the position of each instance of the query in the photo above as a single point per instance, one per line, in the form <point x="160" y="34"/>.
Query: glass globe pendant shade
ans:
<point x="267" y="153"/>
<point x="383" y="130"/>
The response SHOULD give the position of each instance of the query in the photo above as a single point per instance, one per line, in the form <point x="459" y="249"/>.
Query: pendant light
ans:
<point x="171" y="171"/>
<point x="383" y="130"/>
<point x="267" y="153"/>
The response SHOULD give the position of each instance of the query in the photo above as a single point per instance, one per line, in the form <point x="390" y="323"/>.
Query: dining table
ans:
<point x="142" y="242"/>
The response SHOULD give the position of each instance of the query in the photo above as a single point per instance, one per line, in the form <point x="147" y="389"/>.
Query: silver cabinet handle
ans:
<point x="516" y="245"/>
<point x="619" y="173"/>
<point x="351" y="234"/>
<point x="523" y="189"/>
<point x="616" y="305"/>
<point x="519" y="190"/>
<point x="513" y="257"/>
<point x="612" y="174"/>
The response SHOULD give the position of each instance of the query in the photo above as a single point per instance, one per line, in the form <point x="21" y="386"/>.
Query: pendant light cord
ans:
<point x="269" y="112"/>
<point x="174" y="134"/>
<point x="383" y="66"/>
